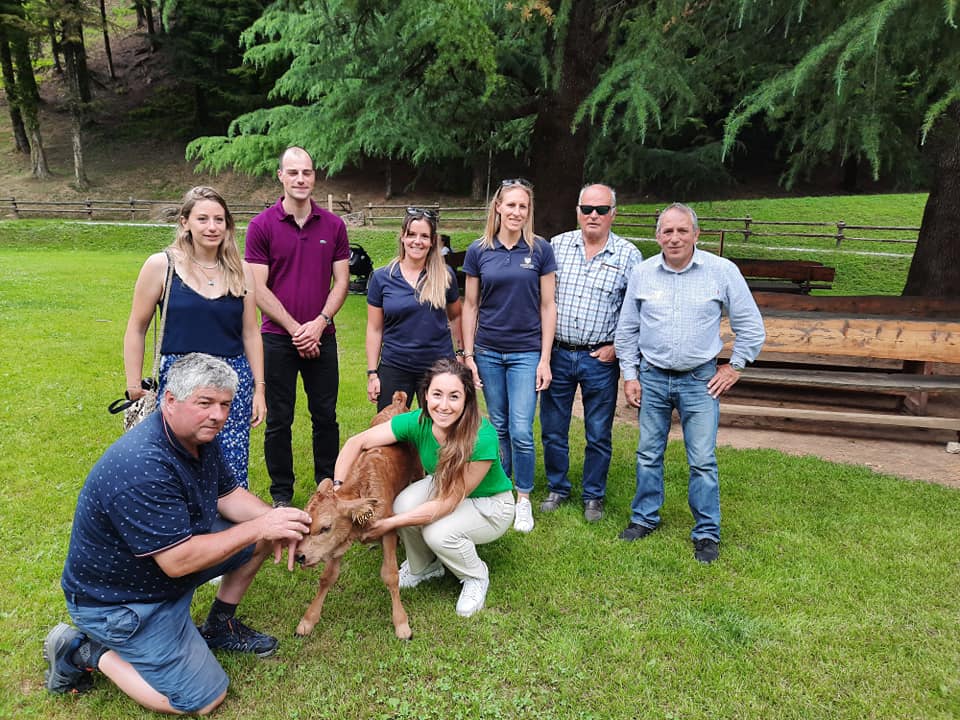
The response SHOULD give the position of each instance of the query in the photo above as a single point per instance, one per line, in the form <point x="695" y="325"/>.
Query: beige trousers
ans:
<point x="453" y="538"/>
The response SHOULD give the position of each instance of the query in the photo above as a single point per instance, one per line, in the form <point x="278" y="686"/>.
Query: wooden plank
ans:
<point x="932" y="423"/>
<point x="887" y="305"/>
<point x="798" y="270"/>
<point x="897" y="339"/>
<point x="867" y="381"/>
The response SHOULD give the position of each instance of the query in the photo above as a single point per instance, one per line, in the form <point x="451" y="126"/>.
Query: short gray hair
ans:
<point x="613" y="193"/>
<point x="682" y="208"/>
<point x="198" y="370"/>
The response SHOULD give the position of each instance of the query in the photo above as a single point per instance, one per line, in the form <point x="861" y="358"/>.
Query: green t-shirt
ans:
<point x="407" y="427"/>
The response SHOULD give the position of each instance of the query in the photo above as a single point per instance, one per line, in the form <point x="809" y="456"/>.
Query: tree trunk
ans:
<point x="388" y="181"/>
<point x="558" y="154"/>
<point x="148" y="14"/>
<point x="478" y="179"/>
<point x="935" y="269"/>
<point x="54" y="45"/>
<point x="106" y="39"/>
<point x="20" y="141"/>
<point x="74" y="51"/>
<point x="29" y="99"/>
<point x="79" y="171"/>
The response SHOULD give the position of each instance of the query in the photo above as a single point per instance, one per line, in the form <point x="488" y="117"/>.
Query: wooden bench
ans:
<point x="863" y="344"/>
<point x="790" y="276"/>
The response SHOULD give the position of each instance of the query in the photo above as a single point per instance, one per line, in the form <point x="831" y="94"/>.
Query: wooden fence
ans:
<point x="716" y="230"/>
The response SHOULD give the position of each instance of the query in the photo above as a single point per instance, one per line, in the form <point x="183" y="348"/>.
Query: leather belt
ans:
<point x="582" y="348"/>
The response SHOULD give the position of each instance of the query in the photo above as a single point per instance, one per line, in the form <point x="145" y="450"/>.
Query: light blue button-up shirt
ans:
<point x="672" y="317"/>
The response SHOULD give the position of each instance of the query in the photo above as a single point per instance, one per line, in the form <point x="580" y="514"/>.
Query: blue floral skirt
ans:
<point x="234" y="439"/>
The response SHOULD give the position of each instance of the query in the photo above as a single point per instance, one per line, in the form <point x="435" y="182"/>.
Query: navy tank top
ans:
<point x="199" y="324"/>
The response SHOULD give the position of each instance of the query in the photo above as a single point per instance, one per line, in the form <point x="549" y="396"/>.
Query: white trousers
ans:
<point x="453" y="538"/>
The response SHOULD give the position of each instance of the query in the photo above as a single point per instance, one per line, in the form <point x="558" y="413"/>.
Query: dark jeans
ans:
<point x="598" y="388"/>
<point x="393" y="379"/>
<point x="321" y="378"/>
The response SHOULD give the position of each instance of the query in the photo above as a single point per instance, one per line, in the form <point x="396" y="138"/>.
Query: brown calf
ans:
<point x="339" y="518"/>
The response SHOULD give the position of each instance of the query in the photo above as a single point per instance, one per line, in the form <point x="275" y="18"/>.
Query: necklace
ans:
<point x="205" y="267"/>
<point x="211" y="281"/>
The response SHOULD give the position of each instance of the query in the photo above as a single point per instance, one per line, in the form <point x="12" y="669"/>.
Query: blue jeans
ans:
<point x="510" y="390"/>
<point x="699" y="417"/>
<point x="598" y="388"/>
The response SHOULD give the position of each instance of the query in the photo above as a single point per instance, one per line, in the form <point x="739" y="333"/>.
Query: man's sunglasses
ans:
<point x="420" y="212"/>
<point x="601" y="209"/>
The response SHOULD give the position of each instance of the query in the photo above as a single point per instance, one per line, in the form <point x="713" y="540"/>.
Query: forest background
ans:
<point x="665" y="99"/>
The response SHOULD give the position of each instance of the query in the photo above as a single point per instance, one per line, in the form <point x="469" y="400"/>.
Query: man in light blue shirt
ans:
<point x="593" y="265"/>
<point x="668" y="339"/>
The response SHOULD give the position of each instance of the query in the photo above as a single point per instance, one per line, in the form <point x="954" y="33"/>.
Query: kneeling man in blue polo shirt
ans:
<point x="159" y="515"/>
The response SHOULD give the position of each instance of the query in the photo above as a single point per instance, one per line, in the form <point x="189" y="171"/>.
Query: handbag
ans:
<point x="134" y="411"/>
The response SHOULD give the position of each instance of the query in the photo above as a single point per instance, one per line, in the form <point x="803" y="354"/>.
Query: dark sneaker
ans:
<point x="706" y="550"/>
<point x="553" y="501"/>
<point x="593" y="509"/>
<point x="281" y="503"/>
<point x="62" y="676"/>
<point x="234" y="635"/>
<point x="635" y="531"/>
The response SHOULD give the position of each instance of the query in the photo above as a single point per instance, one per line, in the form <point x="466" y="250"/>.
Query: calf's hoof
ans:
<point x="404" y="632"/>
<point x="304" y="628"/>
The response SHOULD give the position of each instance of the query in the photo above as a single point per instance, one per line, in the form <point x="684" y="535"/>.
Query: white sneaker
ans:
<point x="411" y="580"/>
<point x="473" y="595"/>
<point x="523" y="518"/>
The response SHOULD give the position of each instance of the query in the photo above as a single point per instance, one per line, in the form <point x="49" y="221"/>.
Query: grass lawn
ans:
<point x="835" y="595"/>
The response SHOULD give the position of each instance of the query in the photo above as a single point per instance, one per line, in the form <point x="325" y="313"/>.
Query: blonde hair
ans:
<point x="227" y="253"/>
<point x="455" y="453"/>
<point x="432" y="288"/>
<point x="492" y="227"/>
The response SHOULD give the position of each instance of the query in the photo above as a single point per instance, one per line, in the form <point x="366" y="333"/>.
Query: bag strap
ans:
<point x="158" y="336"/>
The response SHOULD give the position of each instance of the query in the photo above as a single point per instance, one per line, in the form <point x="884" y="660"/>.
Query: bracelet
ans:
<point x="261" y="382"/>
<point x="371" y="372"/>
<point x="466" y="355"/>
<point x="326" y="317"/>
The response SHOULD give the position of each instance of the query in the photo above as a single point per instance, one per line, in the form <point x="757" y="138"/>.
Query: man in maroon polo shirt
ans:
<point x="300" y="257"/>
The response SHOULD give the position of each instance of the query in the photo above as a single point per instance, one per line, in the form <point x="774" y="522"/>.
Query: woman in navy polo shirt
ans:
<point x="509" y="320"/>
<point x="413" y="305"/>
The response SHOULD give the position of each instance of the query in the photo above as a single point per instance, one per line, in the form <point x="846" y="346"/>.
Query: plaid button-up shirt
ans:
<point x="590" y="293"/>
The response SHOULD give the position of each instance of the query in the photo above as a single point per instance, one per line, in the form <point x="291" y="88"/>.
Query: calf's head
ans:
<point x="337" y="522"/>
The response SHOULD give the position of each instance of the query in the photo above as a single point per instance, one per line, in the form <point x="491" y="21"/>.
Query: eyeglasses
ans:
<point x="516" y="181"/>
<point x="420" y="212"/>
<point x="601" y="209"/>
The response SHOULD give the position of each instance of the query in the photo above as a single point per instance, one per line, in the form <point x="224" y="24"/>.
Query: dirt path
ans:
<point x="917" y="455"/>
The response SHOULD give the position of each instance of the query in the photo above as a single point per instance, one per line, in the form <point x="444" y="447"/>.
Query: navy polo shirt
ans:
<point x="145" y="494"/>
<point x="415" y="334"/>
<point x="509" y="313"/>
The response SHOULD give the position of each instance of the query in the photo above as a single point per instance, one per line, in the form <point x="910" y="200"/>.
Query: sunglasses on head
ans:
<point x="420" y="212"/>
<point x="601" y="209"/>
<point x="516" y="181"/>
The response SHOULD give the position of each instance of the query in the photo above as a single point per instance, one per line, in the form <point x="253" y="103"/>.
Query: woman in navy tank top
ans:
<point x="212" y="309"/>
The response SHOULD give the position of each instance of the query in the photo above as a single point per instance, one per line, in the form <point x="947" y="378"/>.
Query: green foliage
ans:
<point x="203" y="41"/>
<point x="869" y="82"/>
<point x="421" y="82"/>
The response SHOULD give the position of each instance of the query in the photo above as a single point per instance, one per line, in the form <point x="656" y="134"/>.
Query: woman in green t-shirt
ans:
<point x="464" y="501"/>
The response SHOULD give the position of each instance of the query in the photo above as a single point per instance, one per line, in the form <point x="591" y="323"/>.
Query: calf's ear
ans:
<point x="325" y="486"/>
<point x="362" y="510"/>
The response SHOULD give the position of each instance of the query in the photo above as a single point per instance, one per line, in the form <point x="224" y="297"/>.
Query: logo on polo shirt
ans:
<point x="527" y="263"/>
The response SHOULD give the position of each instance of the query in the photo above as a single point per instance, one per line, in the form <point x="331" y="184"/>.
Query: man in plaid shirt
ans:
<point x="593" y="265"/>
